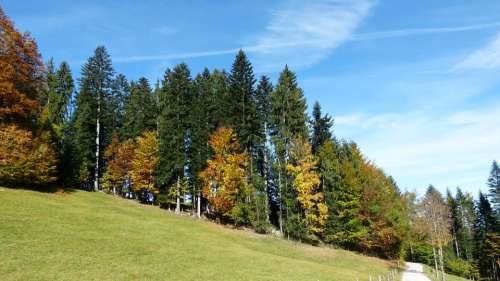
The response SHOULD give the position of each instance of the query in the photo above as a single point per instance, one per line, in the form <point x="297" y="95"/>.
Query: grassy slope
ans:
<point x="429" y="271"/>
<point x="93" y="236"/>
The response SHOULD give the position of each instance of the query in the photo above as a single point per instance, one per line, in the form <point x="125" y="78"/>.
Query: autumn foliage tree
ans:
<point x="119" y="156"/>
<point x="224" y="179"/>
<point x="145" y="162"/>
<point x="21" y="75"/>
<point x="26" y="156"/>
<point x="24" y="160"/>
<point x="306" y="182"/>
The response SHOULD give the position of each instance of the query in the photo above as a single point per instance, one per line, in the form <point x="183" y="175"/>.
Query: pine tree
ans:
<point x="61" y="88"/>
<point x="344" y="227"/>
<point x="140" y="111"/>
<point x="263" y="154"/>
<point x="173" y="126"/>
<point x="90" y="128"/>
<point x="494" y="185"/>
<point x="120" y="98"/>
<point x="287" y="121"/>
<point x="486" y="227"/>
<point x="202" y="122"/>
<point x="243" y="108"/>
<point x="321" y="128"/>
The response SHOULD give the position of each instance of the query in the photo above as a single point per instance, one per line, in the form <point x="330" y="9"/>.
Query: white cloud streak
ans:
<point x="485" y="58"/>
<point x="422" y="147"/>
<point x="308" y="47"/>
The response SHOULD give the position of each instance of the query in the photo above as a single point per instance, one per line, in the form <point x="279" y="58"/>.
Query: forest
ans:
<point x="230" y="147"/>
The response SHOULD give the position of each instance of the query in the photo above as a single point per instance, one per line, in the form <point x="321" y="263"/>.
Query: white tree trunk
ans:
<point x="441" y="261"/>
<point x="435" y="263"/>
<point x="265" y="173"/>
<point x="178" y="197"/>
<point x="280" y="201"/>
<point x="198" y="206"/>
<point x="97" y="144"/>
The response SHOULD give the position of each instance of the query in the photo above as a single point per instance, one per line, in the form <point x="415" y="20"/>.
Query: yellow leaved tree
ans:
<point x="144" y="162"/>
<point x="306" y="182"/>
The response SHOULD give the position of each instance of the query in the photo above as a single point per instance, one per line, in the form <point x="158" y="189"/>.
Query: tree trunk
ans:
<point x="178" y="197"/>
<point x="265" y="174"/>
<point x="435" y="263"/>
<point x="411" y="252"/>
<point x="441" y="261"/>
<point x="97" y="144"/>
<point x="280" y="201"/>
<point x="198" y="206"/>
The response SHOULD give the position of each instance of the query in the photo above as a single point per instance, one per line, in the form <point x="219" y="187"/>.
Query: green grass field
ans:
<point x="94" y="236"/>
<point x="429" y="271"/>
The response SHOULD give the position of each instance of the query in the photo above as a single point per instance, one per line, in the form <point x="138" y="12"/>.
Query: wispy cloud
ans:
<point x="302" y="33"/>
<point x="422" y="147"/>
<point x="421" y="31"/>
<point x="165" y="30"/>
<point x="304" y="46"/>
<point x="486" y="57"/>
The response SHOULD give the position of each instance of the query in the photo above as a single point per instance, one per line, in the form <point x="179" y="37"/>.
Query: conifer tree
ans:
<point x="344" y="225"/>
<point x="173" y="126"/>
<point x="321" y="126"/>
<point x="243" y="110"/>
<point x="91" y="128"/>
<point x="140" y="111"/>
<point x="263" y="155"/>
<point x="486" y="228"/>
<point x="61" y="88"/>
<point x="202" y="123"/>
<point x="287" y="121"/>
<point x="494" y="185"/>
<point x="119" y="100"/>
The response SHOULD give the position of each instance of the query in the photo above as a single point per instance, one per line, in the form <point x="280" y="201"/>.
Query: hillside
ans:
<point x="93" y="236"/>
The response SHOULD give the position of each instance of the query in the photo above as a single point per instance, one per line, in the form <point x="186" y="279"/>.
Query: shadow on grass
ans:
<point x="41" y="188"/>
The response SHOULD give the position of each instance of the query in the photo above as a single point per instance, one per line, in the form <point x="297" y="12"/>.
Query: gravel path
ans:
<point x="414" y="272"/>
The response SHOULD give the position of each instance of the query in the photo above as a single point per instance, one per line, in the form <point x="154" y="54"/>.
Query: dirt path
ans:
<point x="414" y="272"/>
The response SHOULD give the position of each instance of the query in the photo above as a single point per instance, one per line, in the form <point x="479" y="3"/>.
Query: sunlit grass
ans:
<point x="94" y="236"/>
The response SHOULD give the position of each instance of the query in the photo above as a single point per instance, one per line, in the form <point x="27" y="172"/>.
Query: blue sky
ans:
<point x="415" y="83"/>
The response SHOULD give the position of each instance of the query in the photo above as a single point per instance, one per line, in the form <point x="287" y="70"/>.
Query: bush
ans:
<point x="459" y="267"/>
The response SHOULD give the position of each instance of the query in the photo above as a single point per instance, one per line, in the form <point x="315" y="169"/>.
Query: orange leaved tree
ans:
<point x="21" y="74"/>
<point x="24" y="160"/>
<point x="225" y="177"/>
<point x="119" y="156"/>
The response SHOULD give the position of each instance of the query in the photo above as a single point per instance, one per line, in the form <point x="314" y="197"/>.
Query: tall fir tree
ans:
<point x="494" y="186"/>
<point x="91" y="128"/>
<point x="119" y="99"/>
<point x="60" y="90"/>
<point x="485" y="228"/>
<point x="321" y="126"/>
<point x="173" y="126"/>
<point x="140" y="110"/>
<point x="243" y="113"/>
<point x="202" y="123"/>
<point x="288" y="119"/>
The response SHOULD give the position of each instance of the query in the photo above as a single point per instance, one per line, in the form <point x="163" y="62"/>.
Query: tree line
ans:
<point x="229" y="146"/>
